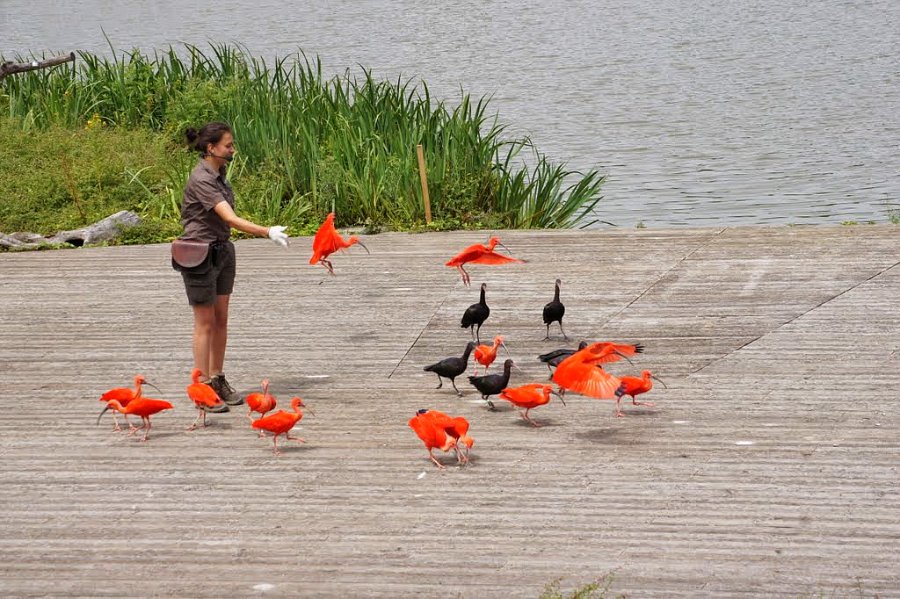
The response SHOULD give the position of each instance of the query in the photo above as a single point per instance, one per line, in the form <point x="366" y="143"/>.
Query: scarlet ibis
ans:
<point x="456" y="427"/>
<point x="553" y="312"/>
<point x="475" y="315"/>
<point x="204" y="398"/>
<point x="580" y="372"/>
<point x="432" y="435"/>
<point x="281" y="423"/>
<point x="143" y="407"/>
<point x="530" y="397"/>
<point x="123" y="395"/>
<point x="450" y="368"/>
<point x="480" y="254"/>
<point x="486" y="354"/>
<point x="328" y="240"/>
<point x="492" y="384"/>
<point x="553" y="358"/>
<point x="634" y="386"/>
<point x="261" y="403"/>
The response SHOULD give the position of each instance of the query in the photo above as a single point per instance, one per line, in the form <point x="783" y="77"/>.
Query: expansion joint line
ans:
<point x="801" y="315"/>
<point x="664" y="275"/>
<point x="422" y="332"/>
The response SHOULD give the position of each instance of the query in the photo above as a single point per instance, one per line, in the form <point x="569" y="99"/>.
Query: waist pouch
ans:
<point x="195" y="257"/>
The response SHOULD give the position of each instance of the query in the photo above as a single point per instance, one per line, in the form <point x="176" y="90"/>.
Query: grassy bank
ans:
<point x="107" y="134"/>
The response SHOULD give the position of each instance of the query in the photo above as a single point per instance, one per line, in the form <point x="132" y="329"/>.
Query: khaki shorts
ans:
<point x="204" y="285"/>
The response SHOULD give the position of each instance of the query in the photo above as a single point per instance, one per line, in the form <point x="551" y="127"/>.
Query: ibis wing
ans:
<point x="277" y="423"/>
<point x="326" y="241"/>
<point x="556" y="353"/>
<point x="122" y="394"/>
<point x="455" y="427"/>
<point x="494" y="258"/>
<point x="586" y="379"/>
<point x="460" y="426"/>
<point x="606" y="352"/>
<point x="467" y="255"/>
<point x="202" y="394"/>
<point x="426" y="429"/>
<point x="514" y="395"/>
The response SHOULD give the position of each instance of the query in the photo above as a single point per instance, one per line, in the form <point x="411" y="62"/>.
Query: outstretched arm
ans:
<point x="275" y="233"/>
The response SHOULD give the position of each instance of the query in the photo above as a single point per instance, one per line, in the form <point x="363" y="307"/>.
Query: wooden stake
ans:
<point x="8" y="68"/>
<point x="423" y="177"/>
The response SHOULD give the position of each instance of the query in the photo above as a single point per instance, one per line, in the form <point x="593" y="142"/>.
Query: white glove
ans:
<point x="278" y="235"/>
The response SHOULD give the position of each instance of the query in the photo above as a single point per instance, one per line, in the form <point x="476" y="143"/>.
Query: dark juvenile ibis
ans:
<point x="492" y="384"/>
<point x="553" y="312"/>
<point x="450" y="368"/>
<point x="475" y="315"/>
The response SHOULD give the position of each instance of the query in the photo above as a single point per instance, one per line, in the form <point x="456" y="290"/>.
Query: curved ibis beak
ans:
<point x="149" y="384"/>
<point x="360" y="243"/>
<point x="505" y="248"/>
<point x="102" y="413"/>
<point x="559" y="396"/>
<point x="660" y="380"/>
<point x="308" y="409"/>
<point x="506" y="349"/>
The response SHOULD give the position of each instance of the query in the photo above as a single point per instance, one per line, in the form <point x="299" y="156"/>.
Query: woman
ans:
<point x="207" y="214"/>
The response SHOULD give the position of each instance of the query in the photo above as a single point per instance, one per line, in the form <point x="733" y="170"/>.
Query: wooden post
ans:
<point x="8" y="68"/>
<point x="423" y="177"/>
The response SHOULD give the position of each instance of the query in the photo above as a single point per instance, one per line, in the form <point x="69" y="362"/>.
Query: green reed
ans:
<point x="345" y="143"/>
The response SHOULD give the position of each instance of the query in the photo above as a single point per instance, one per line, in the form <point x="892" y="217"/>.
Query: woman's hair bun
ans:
<point x="191" y="134"/>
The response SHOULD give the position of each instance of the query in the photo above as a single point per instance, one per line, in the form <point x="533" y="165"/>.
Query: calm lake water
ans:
<point x="701" y="112"/>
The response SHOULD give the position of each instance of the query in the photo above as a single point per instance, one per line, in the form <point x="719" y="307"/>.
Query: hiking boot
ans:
<point x="219" y="408"/>
<point x="225" y="391"/>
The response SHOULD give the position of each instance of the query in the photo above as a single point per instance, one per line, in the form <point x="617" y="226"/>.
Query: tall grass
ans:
<point x="345" y="143"/>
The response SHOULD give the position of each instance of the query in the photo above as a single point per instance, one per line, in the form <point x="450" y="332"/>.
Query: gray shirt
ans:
<point x="204" y="190"/>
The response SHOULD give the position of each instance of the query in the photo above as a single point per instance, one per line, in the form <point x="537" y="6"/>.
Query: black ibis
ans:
<point x="475" y="315"/>
<point x="553" y="312"/>
<point x="556" y="356"/>
<point x="450" y="368"/>
<point x="493" y="384"/>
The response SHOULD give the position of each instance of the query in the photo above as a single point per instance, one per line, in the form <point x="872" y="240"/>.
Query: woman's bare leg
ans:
<point x="204" y="325"/>
<point x="219" y="337"/>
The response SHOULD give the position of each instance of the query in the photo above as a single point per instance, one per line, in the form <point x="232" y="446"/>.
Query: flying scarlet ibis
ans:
<point x="582" y="372"/>
<point x="480" y="254"/>
<point x="553" y="358"/>
<point x="261" y="403"/>
<point x="475" y="315"/>
<point x="634" y="386"/>
<point x="492" y="384"/>
<point x="143" y="407"/>
<point x="450" y="368"/>
<point x="281" y="423"/>
<point x="123" y="395"/>
<point x="328" y="240"/>
<point x="432" y="435"/>
<point x="203" y="396"/>
<point x="553" y="312"/>
<point x="486" y="354"/>
<point x="530" y="397"/>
